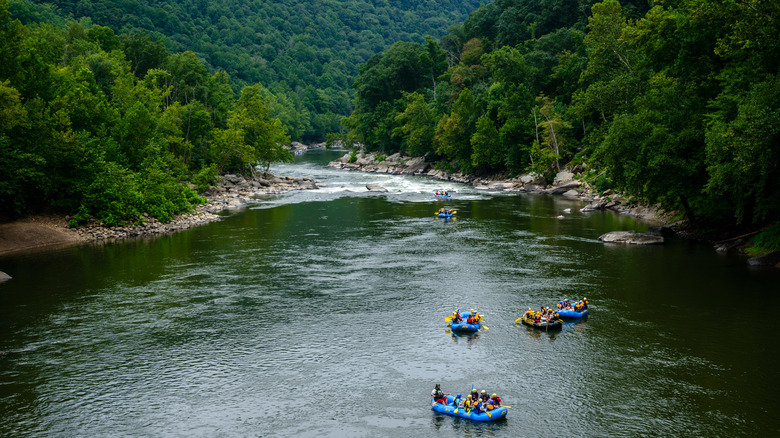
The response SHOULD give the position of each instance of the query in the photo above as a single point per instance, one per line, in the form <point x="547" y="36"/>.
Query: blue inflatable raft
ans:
<point x="443" y="196"/>
<point x="449" y="214"/>
<point x="495" y="414"/>
<point x="571" y="314"/>
<point x="464" y="326"/>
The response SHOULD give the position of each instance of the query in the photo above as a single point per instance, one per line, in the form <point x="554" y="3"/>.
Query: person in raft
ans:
<point x="495" y="402"/>
<point x="456" y="318"/>
<point x="457" y="401"/>
<point x="483" y="396"/>
<point x="475" y="400"/>
<point x="438" y="395"/>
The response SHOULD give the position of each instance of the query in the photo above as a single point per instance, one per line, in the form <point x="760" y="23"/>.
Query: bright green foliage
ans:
<point x="453" y="134"/>
<point x="488" y="153"/>
<point x="418" y="125"/>
<point x="766" y="241"/>
<point x="743" y="155"/>
<point x="307" y="49"/>
<point x="552" y="128"/>
<point x="673" y="104"/>
<point x="265" y="135"/>
<point x="111" y="128"/>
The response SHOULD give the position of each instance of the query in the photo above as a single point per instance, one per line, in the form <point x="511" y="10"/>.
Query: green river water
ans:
<point x="321" y="313"/>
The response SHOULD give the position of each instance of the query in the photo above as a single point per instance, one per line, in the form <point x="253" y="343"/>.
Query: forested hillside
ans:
<point x="676" y="102"/>
<point x="113" y="127"/>
<point x="305" y="52"/>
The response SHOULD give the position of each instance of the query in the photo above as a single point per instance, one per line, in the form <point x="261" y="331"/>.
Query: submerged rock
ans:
<point x="4" y="277"/>
<point x="631" y="238"/>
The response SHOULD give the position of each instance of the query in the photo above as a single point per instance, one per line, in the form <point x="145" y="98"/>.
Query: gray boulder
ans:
<point x="416" y="166"/>
<point x="631" y="238"/>
<point x="771" y="259"/>
<point x="394" y="158"/>
<point x="564" y="187"/>
<point x="563" y="178"/>
<point x="231" y="180"/>
<point x="378" y="189"/>
<point x="533" y="178"/>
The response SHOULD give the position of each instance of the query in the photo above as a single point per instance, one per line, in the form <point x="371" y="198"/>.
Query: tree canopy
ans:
<point x="671" y="102"/>
<point x="114" y="127"/>
<point x="305" y="53"/>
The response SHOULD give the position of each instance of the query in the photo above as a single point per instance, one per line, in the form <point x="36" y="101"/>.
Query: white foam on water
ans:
<point x="337" y="183"/>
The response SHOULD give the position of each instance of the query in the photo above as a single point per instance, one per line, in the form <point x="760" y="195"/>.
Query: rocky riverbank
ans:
<point x="566" y="183"/>
<point x="232" y="192"/>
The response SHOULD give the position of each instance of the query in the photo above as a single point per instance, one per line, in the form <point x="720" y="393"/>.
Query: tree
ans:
<point x="488" y="154"/>
<point x="418" y="125"/>
<point x="743" y="155"/>
<point x="453" y="133"/>
<point x="252" y="135"/>
<point x="552" y="126"/>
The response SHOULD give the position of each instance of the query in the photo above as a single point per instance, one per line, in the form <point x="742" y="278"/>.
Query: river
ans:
<point x="321" y="313"/>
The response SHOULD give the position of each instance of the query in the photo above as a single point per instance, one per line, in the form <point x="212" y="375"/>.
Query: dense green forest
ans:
<point x="674" y="102"/>
<point x="113" y="127"/>
<point x="306" y="53"/>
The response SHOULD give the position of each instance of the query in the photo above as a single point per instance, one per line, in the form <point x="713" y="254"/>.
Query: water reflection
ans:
<point x="314" y="295"/>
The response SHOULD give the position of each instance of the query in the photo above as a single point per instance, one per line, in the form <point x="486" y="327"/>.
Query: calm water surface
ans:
<point x="321" y="313"/>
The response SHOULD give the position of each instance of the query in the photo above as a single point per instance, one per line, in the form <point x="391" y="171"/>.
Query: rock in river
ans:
<point x="631" y="238"/>
<point x="771" y="259"/>
<point x="375" y="188"/>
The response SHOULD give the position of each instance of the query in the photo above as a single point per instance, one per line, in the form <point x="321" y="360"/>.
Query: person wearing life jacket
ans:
<point x="474" y="398"/>
<point x="479" y="407"/>
<point x="483" y="396"/>
<point x="584" y="303"/>
<point x="457" y="401"/>
<point x="468" y="404"/>
<point x="495" y="401"/>
<point x="438" y="395"/>
<point x="559" y="305"/>
<point x="528" y="313"/>
<point x="456" y="318"/>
